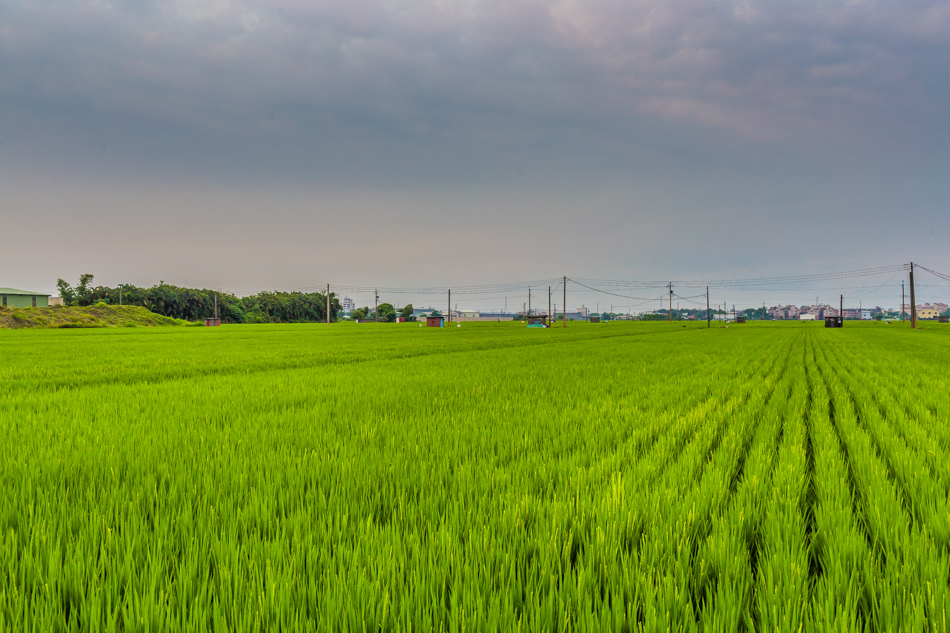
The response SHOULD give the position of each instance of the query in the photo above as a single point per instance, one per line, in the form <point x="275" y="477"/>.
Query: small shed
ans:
<point x="537" y="321"/>
<point x="435" y="321"/>
<point x="834" y="321"/>
<point x="212" y="321"/>
<point x="943" y="319"/>
<point x="594" y="318"/>
<point x="13" y="298"/>
<point x="740" y="319"/>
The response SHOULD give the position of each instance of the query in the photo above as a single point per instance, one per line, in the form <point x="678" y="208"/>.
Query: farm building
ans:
<point x="13" y="298"/>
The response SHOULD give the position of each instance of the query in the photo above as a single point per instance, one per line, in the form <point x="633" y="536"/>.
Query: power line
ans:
<point x="752" y="281"/>
<point x="635" y="290"/>
<point x="614" y="294"/>
<point x="934" y="272"/>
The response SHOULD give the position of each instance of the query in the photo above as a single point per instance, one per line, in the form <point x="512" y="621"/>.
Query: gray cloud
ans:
<point x="480" y="73"/>
<point x="680" y="122"/>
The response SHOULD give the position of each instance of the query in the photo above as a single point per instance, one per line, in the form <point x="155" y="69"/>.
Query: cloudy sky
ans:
<point x="416" y="143"/>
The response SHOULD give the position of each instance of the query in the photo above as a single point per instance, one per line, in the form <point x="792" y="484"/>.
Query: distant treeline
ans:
<point x="193" y="304"/>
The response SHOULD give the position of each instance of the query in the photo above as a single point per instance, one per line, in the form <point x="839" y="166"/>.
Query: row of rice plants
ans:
<point x="906" y="512"/>
<point x="692" y="494"/>
<point x="841" y="561"/>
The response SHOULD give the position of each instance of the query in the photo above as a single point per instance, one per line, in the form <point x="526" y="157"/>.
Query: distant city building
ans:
<point x="819" y="311"/>
<point x="347" y="304"/>
<point x="781" y="313"/>
<point x="926" y="310"/>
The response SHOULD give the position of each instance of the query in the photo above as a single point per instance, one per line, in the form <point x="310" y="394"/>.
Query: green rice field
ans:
<point x="612" y="477"/>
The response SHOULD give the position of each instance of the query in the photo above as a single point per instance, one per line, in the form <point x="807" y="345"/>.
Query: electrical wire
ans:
<point x="753" y="282"/>
<point x="934" y="272"/>
<point x="633" y="289"/>
<point x="614" y="294"/>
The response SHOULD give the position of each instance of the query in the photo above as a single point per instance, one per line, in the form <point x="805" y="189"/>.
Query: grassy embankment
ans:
<point x="100" y="315"/>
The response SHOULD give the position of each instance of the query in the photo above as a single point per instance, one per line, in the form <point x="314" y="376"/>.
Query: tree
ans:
<point x="82" y="294"/>
<point x="66" y="292"/>
<point x="406" y="313"/>
<point x="192" y="304"/>
<point x="386" y="312"/>
<point x="360" y="313"/>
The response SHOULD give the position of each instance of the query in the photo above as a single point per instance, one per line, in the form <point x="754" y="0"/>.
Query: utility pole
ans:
<point x="549" y="307"/>
<point x="564" y="288"/>
<point x="120" y="295"/>
<point x="671" y="302"/>
<point x="215" y="306"/>
<point x="913" y="299"/>
<point x="903" y="302"/>
<point x="529" y="304"/>
<point x="449" y="315"/>
<point x="376" y="306"/>
<point x="841" y="309"/>
<point x="707" y="307"/>
<point x="328" y="304"/>
<point x="733" y="312"/>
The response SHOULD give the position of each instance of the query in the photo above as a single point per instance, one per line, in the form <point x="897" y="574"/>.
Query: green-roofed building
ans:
<point x="13" y="298"/>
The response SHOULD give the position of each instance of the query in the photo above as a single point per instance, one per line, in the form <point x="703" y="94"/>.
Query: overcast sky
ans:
<point x="414" y="143"/>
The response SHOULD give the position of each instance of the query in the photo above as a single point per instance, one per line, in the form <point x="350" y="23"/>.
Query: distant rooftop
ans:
<point x="14" y="291"/>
